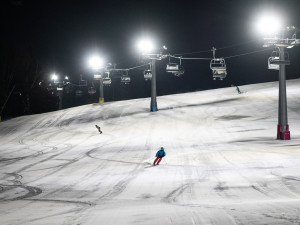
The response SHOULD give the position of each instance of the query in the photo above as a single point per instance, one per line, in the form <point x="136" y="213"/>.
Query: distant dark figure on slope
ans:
<point x="99" y="129"/>
<point x="237" y="89"/>
<point x="159" y="155"/>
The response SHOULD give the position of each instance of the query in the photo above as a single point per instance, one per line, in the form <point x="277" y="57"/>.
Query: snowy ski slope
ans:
<point x="223" y="163"/>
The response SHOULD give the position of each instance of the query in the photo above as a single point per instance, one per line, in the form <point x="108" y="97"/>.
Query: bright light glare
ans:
<point x="66" y="78"/>
<point x="54" y="77"/>
<point x="268" y="25"/>
<point x="95" y="62"/>
<point x="145" y="45"/>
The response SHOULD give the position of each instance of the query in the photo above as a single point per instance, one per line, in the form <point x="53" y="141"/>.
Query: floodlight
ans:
<point x="269" y="25"/>
<point x="54" y="77"/>
<point x="66" y="78"/>
<point x="145" y="46"/>
<point x="95" y="62"/>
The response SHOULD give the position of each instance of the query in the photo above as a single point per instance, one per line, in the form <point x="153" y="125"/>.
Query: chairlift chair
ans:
<point x="218" y="68"/>
<point x="148" y="74"/>
<point x="274" y="57"/>
<point x="274" y="61"/>
<point x="107" y="81"/>
<point x="271" y="65"/>
<point x="91" y="90"/>
<point x="68" y="89"/>
<point x="285" y="61"/>
<point x="178" y="74"/>
<point x="82" y="82"/>
<point x="175" y="68"/>
<point x="172" y="67"/>
<point x="78" y="92"/>
<point x="125" y="79"/>
<point x="97" y="76"/>
<point x="219" y="73"/>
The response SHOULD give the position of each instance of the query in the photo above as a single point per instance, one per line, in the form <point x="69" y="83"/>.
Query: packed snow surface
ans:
<point x="223" y="163"/>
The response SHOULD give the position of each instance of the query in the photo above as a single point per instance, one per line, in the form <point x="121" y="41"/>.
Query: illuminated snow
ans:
<point x="223" y="163"/>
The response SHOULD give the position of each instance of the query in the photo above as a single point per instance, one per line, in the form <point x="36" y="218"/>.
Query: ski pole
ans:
<point x="165" y="161"/>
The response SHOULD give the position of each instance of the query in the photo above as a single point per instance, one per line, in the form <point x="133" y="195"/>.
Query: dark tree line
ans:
<point x="22" y="90"/>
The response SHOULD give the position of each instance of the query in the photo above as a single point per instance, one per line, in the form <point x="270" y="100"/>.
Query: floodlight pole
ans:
<point x="154" y="57"/>
<point x="283" y="132"/>
<point x="101" y="95"/>
<point x="59" y="89"/>
<point x="60" y="95"/>
<point x="153" y="104"/>
<point x="98" y="74"/>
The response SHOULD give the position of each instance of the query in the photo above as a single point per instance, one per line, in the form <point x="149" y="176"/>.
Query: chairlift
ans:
<point x="274" y="57"/>
<point x="68" y="89"/>
<point x="218" y="66"/>
<point x="274" y="61"/>
<point x="125" y="79"/>
<point x="97" y="76"/>
<point x="148" y="74"/>
<point x="175" y="68"/>
<point x="107" y="81"/>
<point x="271" y="65"/>
<point x="91" y="90"/>
<point x="82" y="82"/>
<point x="78" y="93"/>
<point x="179" y="73"/>
<point x="172" y="67"/>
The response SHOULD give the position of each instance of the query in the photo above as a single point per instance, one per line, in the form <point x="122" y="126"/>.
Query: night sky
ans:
<point x="62" y="34"/>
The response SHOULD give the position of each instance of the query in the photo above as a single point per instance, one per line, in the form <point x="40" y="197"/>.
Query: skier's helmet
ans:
<point x="162" y="148"/>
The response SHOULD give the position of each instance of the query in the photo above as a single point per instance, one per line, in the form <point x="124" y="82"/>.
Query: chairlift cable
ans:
<point x="73" y="84"/>
<point x="227" y="57"/>
<point x="132" y="68"/>
<point x="225" y="47"/>
<point x="190" y="53"/>
<point x="238" y="44"/>
<point x="176" y="57"/>
<point x="248" y="53"/>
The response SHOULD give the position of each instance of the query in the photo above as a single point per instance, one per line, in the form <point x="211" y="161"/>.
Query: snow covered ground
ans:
<point x="223" y="164"/>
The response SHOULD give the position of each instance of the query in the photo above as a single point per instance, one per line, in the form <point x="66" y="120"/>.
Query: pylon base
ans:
<point x="283" y="134"/>
<point x="101" y="100"/>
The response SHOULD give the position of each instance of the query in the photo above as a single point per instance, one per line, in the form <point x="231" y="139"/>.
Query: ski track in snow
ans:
<point x="223" y="163"/>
